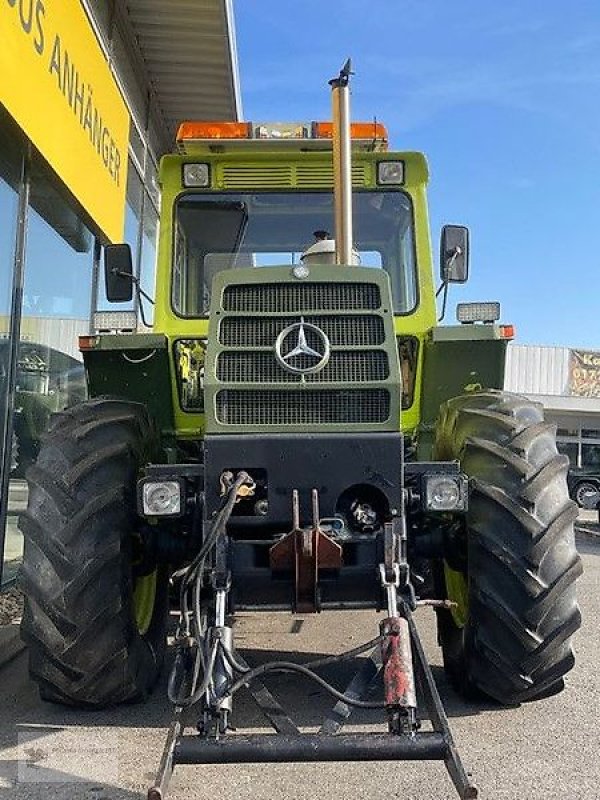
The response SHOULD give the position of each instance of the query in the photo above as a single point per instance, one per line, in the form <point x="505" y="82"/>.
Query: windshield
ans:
<point x="262" y="230"/>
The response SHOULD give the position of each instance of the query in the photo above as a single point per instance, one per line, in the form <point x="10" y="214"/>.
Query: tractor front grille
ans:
<point x="358" y="330"/>
<point x="354" y="366"/>
<point x="249" y="387"/>
<point x="285" y="298"/>
<point x="309" y="407"/>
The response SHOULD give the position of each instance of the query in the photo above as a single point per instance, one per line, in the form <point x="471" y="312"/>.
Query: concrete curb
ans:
<point x="10" y="643"/>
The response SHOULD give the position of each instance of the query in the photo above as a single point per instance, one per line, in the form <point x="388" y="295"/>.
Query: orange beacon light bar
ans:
<point x="367" y="135"/>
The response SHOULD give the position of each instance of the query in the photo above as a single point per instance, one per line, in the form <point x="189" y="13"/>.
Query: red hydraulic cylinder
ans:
<point x="398" y="675"/>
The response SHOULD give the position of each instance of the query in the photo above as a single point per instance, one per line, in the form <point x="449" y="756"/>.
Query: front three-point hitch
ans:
<point x="208" y="671"/>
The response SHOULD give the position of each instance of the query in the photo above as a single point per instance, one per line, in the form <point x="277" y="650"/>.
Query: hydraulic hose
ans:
<point x="289" y="666"/>
<point x="191" y="579"/>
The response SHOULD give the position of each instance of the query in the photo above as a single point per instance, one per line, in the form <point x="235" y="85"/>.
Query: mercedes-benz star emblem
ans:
<point x="302" y="352"/>
<point x="300" y="271"/>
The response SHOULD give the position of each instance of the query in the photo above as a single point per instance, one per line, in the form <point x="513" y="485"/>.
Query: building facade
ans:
<point x="91" y="93"/>
<point x="567" y="383"/>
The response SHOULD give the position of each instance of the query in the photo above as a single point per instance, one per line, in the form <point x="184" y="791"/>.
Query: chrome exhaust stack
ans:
<point x="342" y="165"/>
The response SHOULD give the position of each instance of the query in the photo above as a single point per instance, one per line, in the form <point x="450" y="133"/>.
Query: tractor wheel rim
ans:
<point x="588" y="495"/>
<point x="144" y="597"/>
<point x="457" y="590"/>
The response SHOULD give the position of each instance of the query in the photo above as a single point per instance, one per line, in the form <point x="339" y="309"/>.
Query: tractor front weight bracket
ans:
<point x="396" y="658"/>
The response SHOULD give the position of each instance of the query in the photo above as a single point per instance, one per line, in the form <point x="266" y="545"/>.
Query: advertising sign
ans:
<point x="57" y="85"/>
<point x="584" y="373"/>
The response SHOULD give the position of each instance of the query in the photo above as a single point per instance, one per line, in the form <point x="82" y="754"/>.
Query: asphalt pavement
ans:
<point x="540" y="751"/>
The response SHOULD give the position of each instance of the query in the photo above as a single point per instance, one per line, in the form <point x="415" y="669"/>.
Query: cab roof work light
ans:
<point x="194" y="137"/>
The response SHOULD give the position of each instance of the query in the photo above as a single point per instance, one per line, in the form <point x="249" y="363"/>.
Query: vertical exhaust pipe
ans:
<point x="342" y="165"/>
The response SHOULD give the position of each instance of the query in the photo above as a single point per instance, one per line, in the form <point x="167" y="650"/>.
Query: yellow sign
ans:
<point x="56" y="84"/>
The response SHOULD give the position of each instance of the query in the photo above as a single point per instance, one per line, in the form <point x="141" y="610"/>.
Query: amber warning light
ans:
<point x="369" y="135"/>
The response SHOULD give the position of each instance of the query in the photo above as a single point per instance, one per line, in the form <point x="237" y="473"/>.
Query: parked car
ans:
<point x="584" y="486"/>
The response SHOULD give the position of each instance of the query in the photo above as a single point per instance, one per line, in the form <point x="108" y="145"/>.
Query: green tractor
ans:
<point x="296" y="378"/>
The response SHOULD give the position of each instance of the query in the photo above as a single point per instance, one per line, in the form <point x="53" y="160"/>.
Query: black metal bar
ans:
<point x="413" y="468"/>
<point x="356" y="689"/>
<point x="165" y="768"/>
<point x="280" y="748"/>
<point x="269" y="706"/>
<point x="437" y="715"/>
<point x="177" y="470"/>
<point x="7" y="404"/>
<point x="96" y="259"/>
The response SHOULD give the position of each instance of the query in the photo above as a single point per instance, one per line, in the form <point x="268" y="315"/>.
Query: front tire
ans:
<point x="95" y="610"/>
<point x="517" y="606"/>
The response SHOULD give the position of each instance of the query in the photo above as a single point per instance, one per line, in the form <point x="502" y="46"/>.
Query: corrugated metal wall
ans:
<point x="59" y="334"/>
<point x="532" y="369"/>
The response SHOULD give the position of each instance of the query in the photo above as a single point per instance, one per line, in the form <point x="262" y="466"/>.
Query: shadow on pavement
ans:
<point x="306" y="702"/>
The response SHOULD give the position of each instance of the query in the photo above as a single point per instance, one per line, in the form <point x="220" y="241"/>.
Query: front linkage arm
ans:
<point x="213" y="672"/>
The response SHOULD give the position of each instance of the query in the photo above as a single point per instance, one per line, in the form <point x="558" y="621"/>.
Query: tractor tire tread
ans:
<point x="522" y="560"/>
<point x="84" y="647"/>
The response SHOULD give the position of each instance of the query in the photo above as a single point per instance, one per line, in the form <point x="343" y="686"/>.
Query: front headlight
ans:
<point x="160" y="498"/>
<point x="445" y="492"/>
<point x="390" y="173"/>
<point x="196" y="175"/>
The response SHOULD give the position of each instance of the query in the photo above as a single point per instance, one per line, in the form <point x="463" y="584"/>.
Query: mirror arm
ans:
<point x="135" y="281"/>
<point x="141" y="293"/>
<point x="452" y="256"/>
<point x="443" y="287"/>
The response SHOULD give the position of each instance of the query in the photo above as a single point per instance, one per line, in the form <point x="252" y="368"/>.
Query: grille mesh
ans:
<point x="272" y="177"/>
<point x="308" y="407"/>
<point x="253" y="390"/>
<point x="343" y="367"/>
<point x="282" y="176"/>
<point x="359" y="330"/>
<point x="275" y="298"/>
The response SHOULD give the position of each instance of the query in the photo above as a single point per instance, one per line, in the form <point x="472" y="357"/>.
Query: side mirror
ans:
<point x="454" y="254"/>
<point x="118" y="272"/>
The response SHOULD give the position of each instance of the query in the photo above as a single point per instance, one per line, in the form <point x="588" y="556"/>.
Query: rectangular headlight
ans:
<point x="195" y="175"/>
<point x="445" y="492"/>
<point x="160" y="498"/>
<point x="390" y="173"/>
<point x="114" y="321"/>
<point x="478" y="312"/>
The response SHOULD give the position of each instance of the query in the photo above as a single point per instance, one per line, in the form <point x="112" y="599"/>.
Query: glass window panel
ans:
<point x="11" y="151"/>
<point x="567" y="432"/>
<point x="135" y="189"/>
<point x="8" y="222"/>
<point x="569" y="449"/>
<point x="590" y="455"/>
<point x="148" y="262"/>
<point x="8" y="214"/>
<point x="136" y="142"/>
<point x="50" y="374"/>
<point x="151" y="182"/>
<point x="131" y="233"/>
<point x="590" y="433"/>
<point x="214" y="233"/>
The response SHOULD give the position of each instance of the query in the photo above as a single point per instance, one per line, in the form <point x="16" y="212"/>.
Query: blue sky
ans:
<point x="504" y="99"/>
